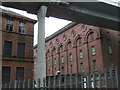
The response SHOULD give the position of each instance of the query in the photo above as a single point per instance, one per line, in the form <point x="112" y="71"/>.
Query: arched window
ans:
<point x="48" y="53"/>
<point x="69" y="45"/>
<point x="79" y="41"/>
<point x="92" y="36"/>
<point x="54" y="51"/>
<point x="61" y="48"/>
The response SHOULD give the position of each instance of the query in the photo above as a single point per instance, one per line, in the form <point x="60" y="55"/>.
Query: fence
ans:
<point x="95" y="79"/>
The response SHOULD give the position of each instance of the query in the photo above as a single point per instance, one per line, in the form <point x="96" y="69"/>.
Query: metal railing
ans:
<point x="109" y="79"/>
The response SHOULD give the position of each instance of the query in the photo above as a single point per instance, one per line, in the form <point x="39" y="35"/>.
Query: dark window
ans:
<point x="62" y="69"/>
<point x="84" y="27"/>
<point x="20" y="73"/>
<point x="21" y="50"/>
<point x="109" y="49"/>
<point x="92" y="36"/>
<point x="64" y="37"/>
<point x="48" y="54"/>
<point x="94" y="65"/>
<point x="49" y="64"/>
<point x="54" y="51"/>
<point x="7" y="48"/>
<point x="6" y="74"/>
<point x="22" y="28"/>
<point x="55" y="71"/>
<point x="69" y="45"/>
<point x="49" y="72"/>
<point x="54" y="60"/>
<point x="71" y="68"/>
<point x="9" y="25"/>
<point x="61" y="48"/>
<point x="79" y="41"/>
<point x="81" y="68"/>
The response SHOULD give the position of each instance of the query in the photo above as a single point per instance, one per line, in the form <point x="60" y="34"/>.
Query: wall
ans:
<point x="15" y="37"/>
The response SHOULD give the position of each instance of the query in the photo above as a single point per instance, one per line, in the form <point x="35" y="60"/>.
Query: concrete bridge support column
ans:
<point x="41" y="62"/>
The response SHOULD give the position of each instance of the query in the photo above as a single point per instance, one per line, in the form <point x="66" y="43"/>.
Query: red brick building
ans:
<point x="17" y="46"/>
<point x="80" y="48"/>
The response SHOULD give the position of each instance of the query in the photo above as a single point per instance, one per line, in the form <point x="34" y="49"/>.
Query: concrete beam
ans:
<point x="93" y="13"/>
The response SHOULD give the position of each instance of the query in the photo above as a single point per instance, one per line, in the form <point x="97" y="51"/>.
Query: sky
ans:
<point x="51" y="24"/>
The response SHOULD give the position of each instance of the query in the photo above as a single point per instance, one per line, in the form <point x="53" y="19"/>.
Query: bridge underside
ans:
<point x="93" y="13"/>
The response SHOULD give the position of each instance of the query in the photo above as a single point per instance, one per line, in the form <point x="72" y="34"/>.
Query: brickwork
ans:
<point x="71" y="33"/>
<point x="15" y="37"/>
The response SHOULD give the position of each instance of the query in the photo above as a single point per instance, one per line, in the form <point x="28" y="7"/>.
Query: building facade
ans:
<point x="17" y="46"/>
<point x="80" y="48"/>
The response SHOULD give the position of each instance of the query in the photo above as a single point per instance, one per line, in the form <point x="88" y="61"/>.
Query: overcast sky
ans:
<point x="51" y="25"/>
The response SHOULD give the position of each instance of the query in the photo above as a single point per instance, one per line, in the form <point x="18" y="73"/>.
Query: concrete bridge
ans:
<point x="94" y="13"/>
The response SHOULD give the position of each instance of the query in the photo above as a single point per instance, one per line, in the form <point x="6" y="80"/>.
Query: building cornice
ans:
<point x="57" y="33"/>
<point x="64" y="29"/>
<point x="8" y="15"/>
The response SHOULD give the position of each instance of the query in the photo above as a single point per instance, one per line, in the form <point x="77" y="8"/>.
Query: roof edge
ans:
<point x="60" y="31"/>
<point x="65" y="28"/>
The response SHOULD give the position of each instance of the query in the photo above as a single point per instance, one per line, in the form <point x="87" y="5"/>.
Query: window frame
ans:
<point x="55" y="61"/>
<point x="92" y="36"/>
<point x="8" y="72"/>
<point x="23" y="72"/>
<point x="61" y="48"/>
<point x="69" y="45"/>
<point x="81" y="67"/>
<point x="70" y="57"/>
<point x="93" y="50"/>
<point x="48" y="54"/>
<point x="8" y="49"/>
<point x="62" y="59"/>
<point x="71" y="68"/>
<point x="49" y="72"/>
<point x="81" y="54"/>
<point x="54" y="71"/>
<point x="110" y="49"/>
<point x="19" y="52"/>
<point x="9" y="25"/>
<point x="54" y="51"/>
<point x="79" y="41"/>
<point x="49" y="64"/>
<point x="22" y="27"/>
<point x="94" y="65"/>
<point x="62" y="69"/>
